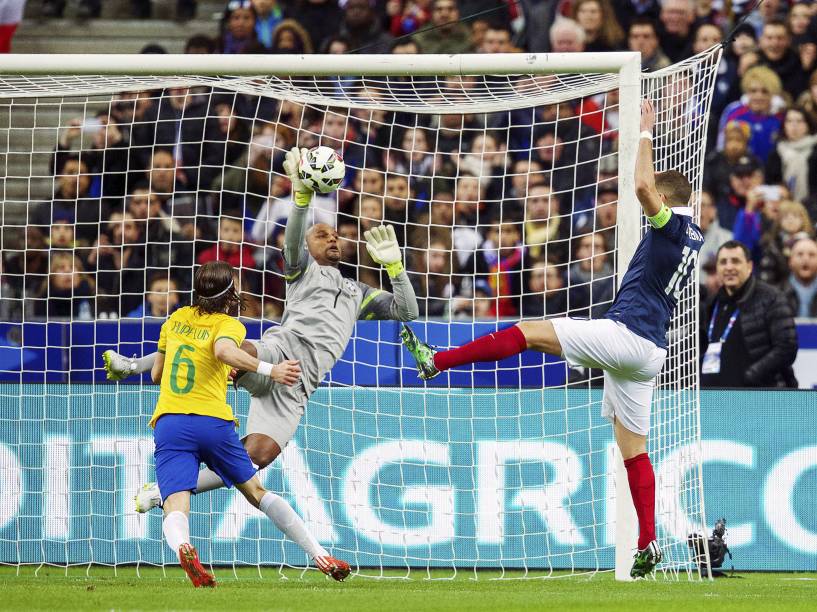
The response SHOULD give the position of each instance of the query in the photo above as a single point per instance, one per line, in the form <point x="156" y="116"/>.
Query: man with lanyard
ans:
<point x="748" y="337"/>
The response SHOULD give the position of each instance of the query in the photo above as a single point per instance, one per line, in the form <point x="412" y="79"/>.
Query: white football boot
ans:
<point x="118" y="366"/>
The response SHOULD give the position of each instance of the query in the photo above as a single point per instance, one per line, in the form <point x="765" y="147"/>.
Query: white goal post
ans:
<point x="434" y="497"/>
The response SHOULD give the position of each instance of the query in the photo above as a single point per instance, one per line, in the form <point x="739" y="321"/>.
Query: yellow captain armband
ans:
<point x="661" y="218"/>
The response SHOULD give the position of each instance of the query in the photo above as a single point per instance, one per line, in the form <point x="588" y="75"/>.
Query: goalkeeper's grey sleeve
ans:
<point x="296" y="257"/>
<point x="398" y="306"/>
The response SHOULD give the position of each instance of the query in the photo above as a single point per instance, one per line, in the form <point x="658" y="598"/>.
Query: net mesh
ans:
<point x="504" y="193"/>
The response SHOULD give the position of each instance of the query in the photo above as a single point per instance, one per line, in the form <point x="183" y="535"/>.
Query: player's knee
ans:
<point x="540" y="336"/>
<point x="249" y="347"/>
<point x="263" y="450"/>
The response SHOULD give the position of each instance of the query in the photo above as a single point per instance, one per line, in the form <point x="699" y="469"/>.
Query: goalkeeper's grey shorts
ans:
<point x="275" y="410"/>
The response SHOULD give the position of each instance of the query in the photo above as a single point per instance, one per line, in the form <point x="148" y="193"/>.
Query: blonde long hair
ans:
<point x="610" y="32"/>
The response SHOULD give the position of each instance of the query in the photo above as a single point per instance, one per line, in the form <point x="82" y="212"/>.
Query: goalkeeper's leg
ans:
<point x="293" y="526"/>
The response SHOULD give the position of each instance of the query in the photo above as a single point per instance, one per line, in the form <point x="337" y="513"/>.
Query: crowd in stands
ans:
<point x="497" y="216"/>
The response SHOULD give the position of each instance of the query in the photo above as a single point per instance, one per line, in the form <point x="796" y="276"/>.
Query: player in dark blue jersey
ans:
<point x="629" y="343"/>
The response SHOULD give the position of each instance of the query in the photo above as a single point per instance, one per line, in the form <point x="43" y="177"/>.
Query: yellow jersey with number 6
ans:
<point x="193" y="380"/>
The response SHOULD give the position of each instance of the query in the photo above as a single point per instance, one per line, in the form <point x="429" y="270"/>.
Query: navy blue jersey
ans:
<point x="659" y="270"/>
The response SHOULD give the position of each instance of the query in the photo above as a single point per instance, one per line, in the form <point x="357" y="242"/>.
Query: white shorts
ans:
<point x="630" y="365"/>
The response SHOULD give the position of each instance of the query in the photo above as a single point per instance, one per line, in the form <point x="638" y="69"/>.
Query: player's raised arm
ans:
<point x="382" y="245"/>
<point x="645" y="190"/>
<point x="285" y="373"/>
<point x="295" y="256"/>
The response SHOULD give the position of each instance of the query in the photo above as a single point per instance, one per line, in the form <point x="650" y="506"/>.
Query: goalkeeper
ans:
<point x="629" y="344"/>
<point x="193" y="424"/>
<point x="319" y="318"/>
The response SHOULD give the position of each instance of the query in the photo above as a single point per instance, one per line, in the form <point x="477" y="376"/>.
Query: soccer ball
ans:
<point x="321" y="169"/>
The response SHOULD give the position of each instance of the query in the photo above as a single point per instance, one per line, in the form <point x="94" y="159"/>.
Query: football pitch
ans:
<point x="290" y="590"/>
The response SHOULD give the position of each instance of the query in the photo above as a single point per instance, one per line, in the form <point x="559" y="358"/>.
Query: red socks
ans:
<point x="642" y="488"/>
<point x="493" y="347"/>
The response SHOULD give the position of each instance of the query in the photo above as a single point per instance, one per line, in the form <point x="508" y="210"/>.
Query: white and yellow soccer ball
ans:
<point x="321" y="169"/>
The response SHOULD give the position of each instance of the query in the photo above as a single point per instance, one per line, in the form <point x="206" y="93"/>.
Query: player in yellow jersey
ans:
<point x="193" y="424"/>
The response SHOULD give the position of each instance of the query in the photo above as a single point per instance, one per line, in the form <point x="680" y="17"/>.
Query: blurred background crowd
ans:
<point x="509" y="214"/>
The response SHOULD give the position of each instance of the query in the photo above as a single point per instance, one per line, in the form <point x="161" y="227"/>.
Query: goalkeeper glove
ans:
<point x="383" y="248"/>
<point x="300" y="192"/>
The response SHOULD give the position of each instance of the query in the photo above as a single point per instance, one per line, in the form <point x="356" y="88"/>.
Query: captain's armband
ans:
<point x="661" y="218"/>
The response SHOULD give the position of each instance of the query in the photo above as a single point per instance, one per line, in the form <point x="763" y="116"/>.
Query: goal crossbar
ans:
<point x="315" y="65"/>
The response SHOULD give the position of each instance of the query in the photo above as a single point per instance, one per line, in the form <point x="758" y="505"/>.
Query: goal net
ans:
<point x="509" y="183"/>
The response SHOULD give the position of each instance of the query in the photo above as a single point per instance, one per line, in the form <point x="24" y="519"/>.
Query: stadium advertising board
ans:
<point x="39" y="352"/>
<point x="393" y="478"/>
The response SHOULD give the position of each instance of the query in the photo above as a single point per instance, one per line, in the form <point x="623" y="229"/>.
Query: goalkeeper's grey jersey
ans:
<point x="322" y="307"/>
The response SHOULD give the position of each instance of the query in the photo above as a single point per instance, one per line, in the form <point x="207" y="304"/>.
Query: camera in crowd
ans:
<point x="715" y="545"/>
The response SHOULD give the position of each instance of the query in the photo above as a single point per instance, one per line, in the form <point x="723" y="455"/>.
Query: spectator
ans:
<point x="706" y="35"/>
<point x="68" y="292"/>
<point x="808" y="99"/>
<point x="545" y="293"/>
<point x="792" y="224"/>
<point x="602" y="31"/>
<point x="566" y="36"/>
<point x="405" y="46"/>
<point x="591" y="281"/>
<point x="290" y="37"/>
<point x="434" y="272"/>
<point x="757" y="215"/>
<point x="500" y="261"/>
<point x="11" y="14"/>
<point x="166" y="182"/>
<point x="161" y="299"/>
<point x="407" y="16"/>
<point x="643" y="36"/>
<point x="268" y="14"/>
<point x="497" y="39"/>
<point x="104" y="149"/>
<point x="758" y="109"/>
<point x="464" y="217"/>
<point x="524" y="174"/>
<point x="748" y="337"/>
<point x="798" y="23"/>
<point x="450" y="34"/>
<point x="777" y="53"/>
<point x="200" y="44"/>
<point x="602" y="218"/>
<point x="546" y="231"/>
<point x="73" y="202"/>
<point x="714" y="235"/>
<point x="62" y="235"/>
<point x="801" y="289"/>
<point x="361" y="28"/>
<point x="321" y="19"/>
<point x="245" y="183"/>
<point x="238" y="29"/>
<point x="230" y="247"/>
<point x="793" y="161"/>
<point x="675" y="28"/>
<point x="721" y="164"/>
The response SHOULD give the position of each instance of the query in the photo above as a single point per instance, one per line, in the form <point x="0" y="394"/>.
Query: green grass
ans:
<point x="51" y="589"/>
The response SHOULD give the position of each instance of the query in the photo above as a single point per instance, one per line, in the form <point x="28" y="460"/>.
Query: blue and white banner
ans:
<point x="468" y="478"/>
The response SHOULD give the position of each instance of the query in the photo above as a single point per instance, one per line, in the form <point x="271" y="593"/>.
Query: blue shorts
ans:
<point x="184" y="441"/>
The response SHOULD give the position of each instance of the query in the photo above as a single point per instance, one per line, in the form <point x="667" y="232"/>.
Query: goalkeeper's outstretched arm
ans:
<point x="645" y="189"/>
<point x="295" y="256"/>
<point x="382" y="245"/>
